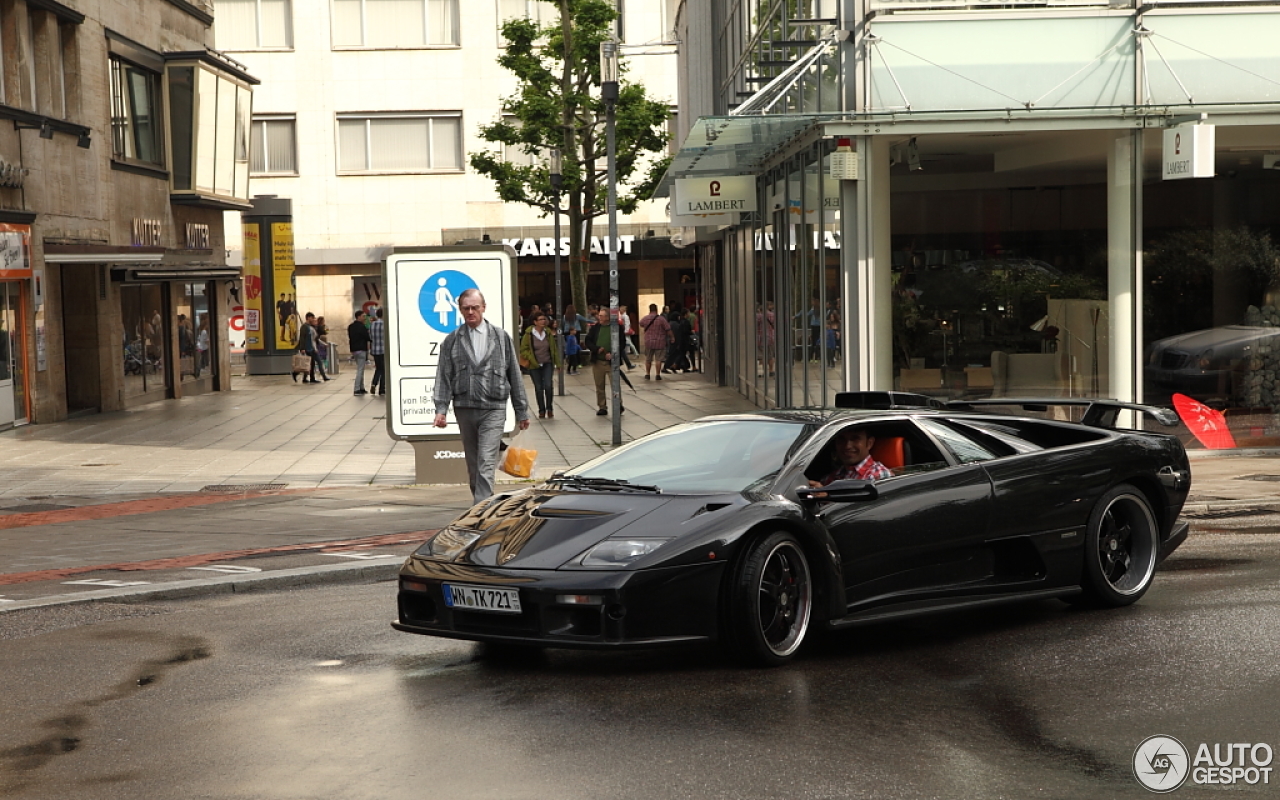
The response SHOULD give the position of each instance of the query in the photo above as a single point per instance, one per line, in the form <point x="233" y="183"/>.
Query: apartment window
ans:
<point x="136" y="119"/>
<point x="395" y="23"/>
<point x="515" y="153"/>
<point x="253" y="24"/>
<point x="540" y="12"/>
<point x="400" y="143"/>
<point x="3" y="62"/>
<point x="274" y="146"/>
<point x="29" y="74"/>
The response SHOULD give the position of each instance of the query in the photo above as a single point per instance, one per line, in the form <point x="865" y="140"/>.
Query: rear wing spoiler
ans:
<point x="880" y="401"/>
<point x="1098" y="412"/>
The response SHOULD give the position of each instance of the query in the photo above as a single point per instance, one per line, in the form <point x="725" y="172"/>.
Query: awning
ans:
<point x="736" y="145"/>
<point x="152" y="273"/>
<point x="744" y="145"/>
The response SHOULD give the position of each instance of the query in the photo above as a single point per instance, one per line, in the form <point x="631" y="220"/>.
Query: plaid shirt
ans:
<point x="867" y="470"/>
<point x="378" y="337"/>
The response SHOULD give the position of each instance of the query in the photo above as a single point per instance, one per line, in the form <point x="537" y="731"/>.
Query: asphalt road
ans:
<point x="308" y="693"/>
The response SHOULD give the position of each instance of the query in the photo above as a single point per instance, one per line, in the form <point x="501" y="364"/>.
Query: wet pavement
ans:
<point x="279" y="483"/>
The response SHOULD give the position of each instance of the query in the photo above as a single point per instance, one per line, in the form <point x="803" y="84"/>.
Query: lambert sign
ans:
<point x="715" y="195"/>
<point x="1188" y="152"/>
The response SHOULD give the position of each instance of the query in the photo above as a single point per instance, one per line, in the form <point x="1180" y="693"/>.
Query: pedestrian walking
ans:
<point x="308" y="342"/>
<point x="478" y="372"/>
<point x="540" y="356"/>
<point x="571" y="351"/>
<point x="600" y="345"/>
<point x="657" y="337"/>
<point x="572" y="320"/>
<point x="358" y="341"/>
<point x="677" y="352"/>
<point x="378" y="349"/>
<point x="625" y="331"/>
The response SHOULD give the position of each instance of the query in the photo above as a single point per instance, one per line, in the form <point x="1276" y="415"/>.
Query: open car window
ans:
<point x="967" y="446"/>
<point x="899" y="445"/>
<point x="695" y="457"/>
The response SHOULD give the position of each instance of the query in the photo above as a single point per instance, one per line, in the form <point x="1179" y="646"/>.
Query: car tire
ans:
<point x="770" y="600"/>
<point x="1121" y="549"/>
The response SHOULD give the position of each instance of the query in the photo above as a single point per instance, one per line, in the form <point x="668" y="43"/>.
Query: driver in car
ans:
<point x="853" y="449"/>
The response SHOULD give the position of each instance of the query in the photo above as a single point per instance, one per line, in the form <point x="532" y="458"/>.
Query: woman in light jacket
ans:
<point x="540" y="350"/>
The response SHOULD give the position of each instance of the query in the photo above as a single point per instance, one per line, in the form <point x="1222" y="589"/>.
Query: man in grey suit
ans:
<point x="479" y="373"/>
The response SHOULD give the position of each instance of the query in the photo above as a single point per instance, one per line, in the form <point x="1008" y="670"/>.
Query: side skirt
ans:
<point x="950" y="604"/>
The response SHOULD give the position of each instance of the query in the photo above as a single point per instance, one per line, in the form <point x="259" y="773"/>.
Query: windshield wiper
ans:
<point x="604" y="484"/>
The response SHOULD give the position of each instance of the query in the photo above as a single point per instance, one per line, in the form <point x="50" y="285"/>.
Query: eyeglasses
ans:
<point x="470" y="308"/>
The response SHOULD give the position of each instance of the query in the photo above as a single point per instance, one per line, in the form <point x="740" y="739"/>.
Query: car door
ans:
<point x="923" y="534"/>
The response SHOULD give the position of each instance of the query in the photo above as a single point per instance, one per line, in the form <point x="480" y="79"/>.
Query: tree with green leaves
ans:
<point x="558" y="106"/>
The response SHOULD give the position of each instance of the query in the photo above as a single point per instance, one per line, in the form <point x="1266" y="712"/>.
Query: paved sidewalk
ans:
<point x="272" y="430"/>
<point x="279" y="483"/>
<point x="275" y="481"/>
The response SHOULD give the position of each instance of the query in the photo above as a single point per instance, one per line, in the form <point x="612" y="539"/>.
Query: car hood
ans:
<point x="543" y="529"/>
<point x="1230" y="336"/>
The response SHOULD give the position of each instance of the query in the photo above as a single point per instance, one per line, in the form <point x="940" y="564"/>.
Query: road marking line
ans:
<point x="230" y="568"/>
<point x="104" y="582"/>
<point x="361" y="556"/>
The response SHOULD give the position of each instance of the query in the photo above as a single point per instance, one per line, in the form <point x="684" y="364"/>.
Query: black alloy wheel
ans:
<point x="1121" y="549"/>
<point x="771" y="600"/>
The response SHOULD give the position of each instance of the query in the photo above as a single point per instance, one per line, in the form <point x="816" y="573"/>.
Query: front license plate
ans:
<point x="481" y="598"/>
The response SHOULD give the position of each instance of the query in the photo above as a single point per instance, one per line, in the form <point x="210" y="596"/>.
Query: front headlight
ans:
<point x="620" y="552"/>
<point x="447" y="544"/>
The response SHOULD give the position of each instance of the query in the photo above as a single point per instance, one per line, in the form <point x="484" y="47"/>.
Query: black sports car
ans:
<point x="714" y="529"/>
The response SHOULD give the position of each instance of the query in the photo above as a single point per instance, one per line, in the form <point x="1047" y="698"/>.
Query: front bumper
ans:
<point x="645" y="608"/>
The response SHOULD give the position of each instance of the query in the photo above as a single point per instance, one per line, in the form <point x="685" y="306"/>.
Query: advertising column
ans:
<point x="271" y="320"/>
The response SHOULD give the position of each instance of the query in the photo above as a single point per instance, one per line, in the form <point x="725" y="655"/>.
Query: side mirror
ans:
<point x="847" y="491"/>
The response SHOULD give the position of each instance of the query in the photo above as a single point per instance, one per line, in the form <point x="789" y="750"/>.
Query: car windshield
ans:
<point x="696" y="457"/>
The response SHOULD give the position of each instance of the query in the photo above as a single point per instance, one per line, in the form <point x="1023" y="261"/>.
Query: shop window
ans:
<point x="400" y="143"/>
<point x="253" y="24"/>
<point x="273" y="145"/>
<point x="197" y="356"/>
<point x="395" y="23"/>
<point x="136" y="132"/>
<point x="144" y="338"/>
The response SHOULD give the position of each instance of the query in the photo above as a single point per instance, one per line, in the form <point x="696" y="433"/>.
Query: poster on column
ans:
<point x="254" y="338"/>
<point x="421" y="305"/>
<point x="282" y="273"/>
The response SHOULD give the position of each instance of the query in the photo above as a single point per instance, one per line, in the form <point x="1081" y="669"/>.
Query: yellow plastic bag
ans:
<point x="519" y="461"/>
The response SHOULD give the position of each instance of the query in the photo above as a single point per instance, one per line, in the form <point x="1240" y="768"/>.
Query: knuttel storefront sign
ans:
<point x="1188" y="152"/>
<point x="723" y="194"/>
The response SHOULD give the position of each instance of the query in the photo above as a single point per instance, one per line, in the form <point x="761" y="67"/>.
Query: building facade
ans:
<point x="124" y="139"/>
<point x="364" y="121"/>
<point x="972" y="199"/>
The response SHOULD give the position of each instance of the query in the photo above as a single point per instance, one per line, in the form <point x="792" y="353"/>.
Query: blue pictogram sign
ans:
<point x="438" y="300"/>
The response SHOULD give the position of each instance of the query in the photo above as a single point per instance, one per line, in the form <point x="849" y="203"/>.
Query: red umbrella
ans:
<point x="1207" y="424"/>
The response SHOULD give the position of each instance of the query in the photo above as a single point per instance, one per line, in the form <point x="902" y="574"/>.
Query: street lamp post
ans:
<point x="609" y="93"/>
<point x="557" y="183"/>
